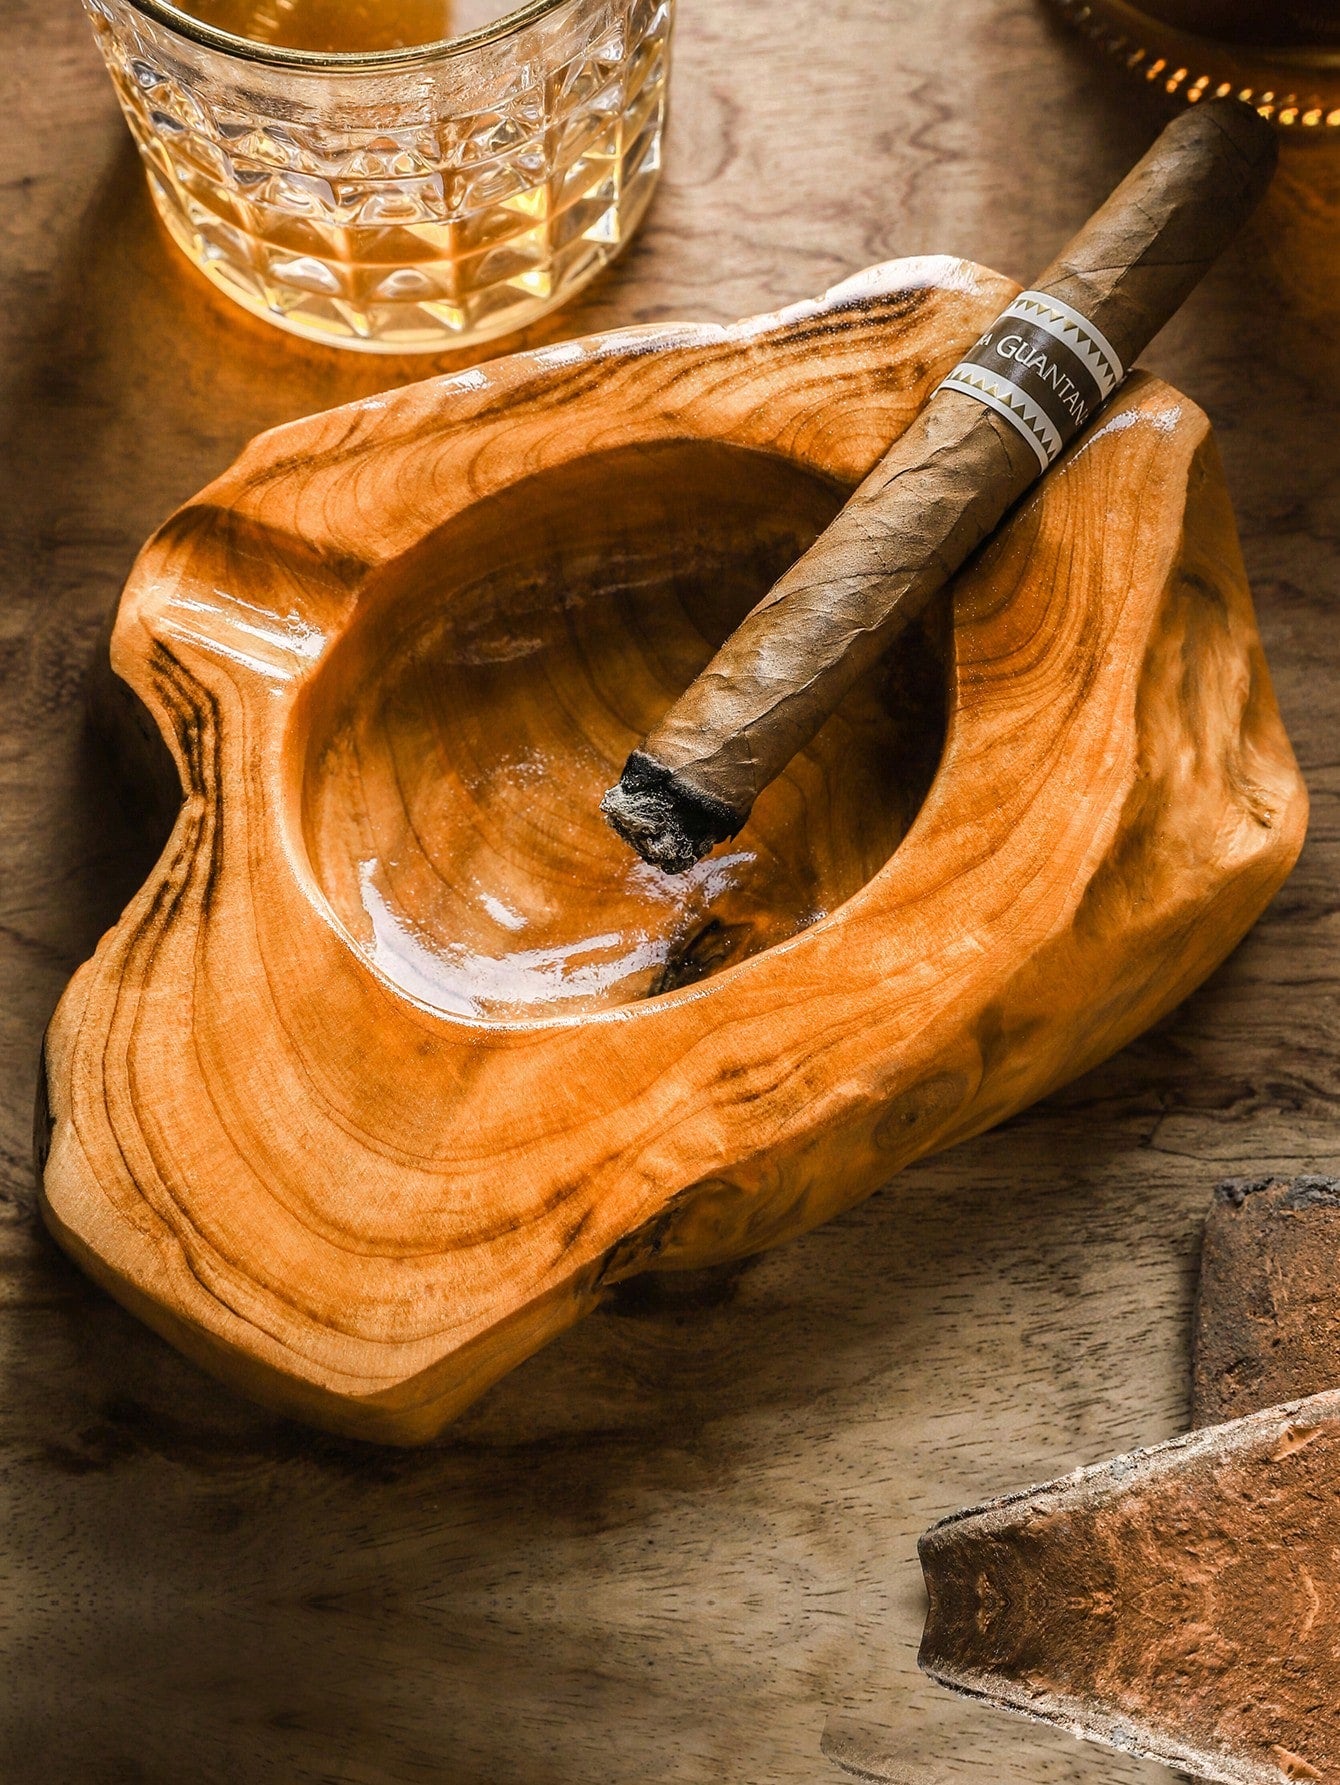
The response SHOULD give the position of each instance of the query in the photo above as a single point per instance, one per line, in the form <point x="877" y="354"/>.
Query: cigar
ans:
<point x="989" y="431"/>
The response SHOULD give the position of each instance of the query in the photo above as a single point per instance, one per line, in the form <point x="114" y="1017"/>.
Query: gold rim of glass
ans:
<point x="163" y="12"/>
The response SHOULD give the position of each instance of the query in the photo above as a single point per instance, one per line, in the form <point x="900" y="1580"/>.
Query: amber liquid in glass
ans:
<point x="392" y="213"/>
<point x="348" y="26"/>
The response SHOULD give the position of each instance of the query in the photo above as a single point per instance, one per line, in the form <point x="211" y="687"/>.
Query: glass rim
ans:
<point x="164" y="12"/>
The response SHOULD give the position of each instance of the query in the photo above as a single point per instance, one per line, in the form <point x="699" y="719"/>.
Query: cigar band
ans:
<point x="1044" y="367"/>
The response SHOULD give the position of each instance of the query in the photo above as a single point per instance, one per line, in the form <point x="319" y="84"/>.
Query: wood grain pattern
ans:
<point x="361" y="1168"/>
<point x="679" y="1540"/>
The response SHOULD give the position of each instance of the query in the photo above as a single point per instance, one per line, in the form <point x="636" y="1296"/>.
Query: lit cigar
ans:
<point x="990" y="430"/>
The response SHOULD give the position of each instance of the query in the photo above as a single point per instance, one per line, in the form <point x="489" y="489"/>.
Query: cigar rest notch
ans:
<point x="399" y="1060"/>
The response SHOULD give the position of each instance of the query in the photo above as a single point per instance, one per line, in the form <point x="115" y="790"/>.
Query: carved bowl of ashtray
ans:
<point x="399" y="1059"/>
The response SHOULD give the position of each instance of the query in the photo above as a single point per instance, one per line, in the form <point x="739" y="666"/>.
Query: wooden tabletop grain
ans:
<point x="678" y="1546"/>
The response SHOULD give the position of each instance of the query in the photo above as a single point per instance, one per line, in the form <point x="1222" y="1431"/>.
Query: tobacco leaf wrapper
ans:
<point x="986" y="435"/>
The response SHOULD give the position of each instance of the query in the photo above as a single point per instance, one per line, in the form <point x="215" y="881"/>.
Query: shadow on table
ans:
<point x="682" y="1529"/>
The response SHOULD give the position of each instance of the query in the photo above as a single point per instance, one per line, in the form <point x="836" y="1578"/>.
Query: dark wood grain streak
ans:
<point x="677" y="1543"/>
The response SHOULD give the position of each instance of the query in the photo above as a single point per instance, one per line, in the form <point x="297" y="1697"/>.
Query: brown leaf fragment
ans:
<point x="1171" y="1603"/>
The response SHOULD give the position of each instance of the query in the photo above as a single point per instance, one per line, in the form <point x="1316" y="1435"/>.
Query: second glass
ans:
<point x="408" y="200"/>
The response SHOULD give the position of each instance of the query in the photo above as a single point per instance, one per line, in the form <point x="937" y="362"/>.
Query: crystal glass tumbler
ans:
<point x="407" y="200"/>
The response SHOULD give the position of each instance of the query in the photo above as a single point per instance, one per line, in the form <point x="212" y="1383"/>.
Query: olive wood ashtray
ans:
<point x="400" y="1059"/>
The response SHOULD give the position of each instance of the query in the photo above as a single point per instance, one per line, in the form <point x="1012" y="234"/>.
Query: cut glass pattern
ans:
<point x="447" y="201"/>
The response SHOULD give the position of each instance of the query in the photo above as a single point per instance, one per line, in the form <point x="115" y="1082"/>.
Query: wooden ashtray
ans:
<point x="400" y="1059"/>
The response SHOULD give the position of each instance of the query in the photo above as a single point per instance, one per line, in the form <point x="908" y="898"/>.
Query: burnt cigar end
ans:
<point x="670" y="825"/>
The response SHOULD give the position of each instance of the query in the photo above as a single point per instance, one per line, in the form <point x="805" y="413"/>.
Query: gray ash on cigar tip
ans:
<point x="668" y="824"/>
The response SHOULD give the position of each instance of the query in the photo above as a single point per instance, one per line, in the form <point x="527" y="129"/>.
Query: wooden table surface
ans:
<point x="679" y="1545"/>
